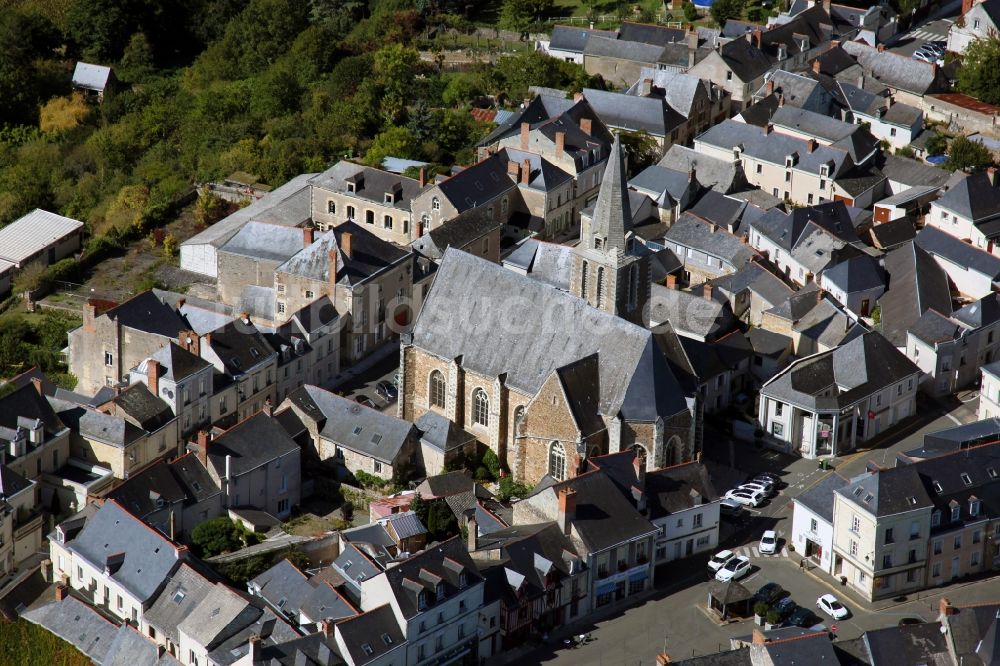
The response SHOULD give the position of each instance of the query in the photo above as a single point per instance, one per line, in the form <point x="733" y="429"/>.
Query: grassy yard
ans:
<point x="26" y="644"/>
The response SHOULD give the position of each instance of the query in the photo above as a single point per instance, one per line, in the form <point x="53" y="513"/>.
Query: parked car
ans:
<point x="366" y="401"/>
<point x="933" y="47"/>
<point x="772" y="477"/>
<point x="768" y="542"/>
<point x="756" y="487"/>
<point x="734" y="569"/>
<point x="730" y="507"/>
<point x="830" y="605"/>
<point x="803" y="617"/>
<point x="719" y="560"/>
<point x="387" y="390"/>
<point x="768" y="593"/>
<point x="784" y="608"/>
<point x="769" y="485"/>
<point x="746" y="497"/>
<point x="927" y="56"/>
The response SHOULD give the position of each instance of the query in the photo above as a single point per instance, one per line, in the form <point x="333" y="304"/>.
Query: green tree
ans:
<point x="965" y="154"/>
<point x="642" y="150"/>
<point x="979" y="75"/>
<point x="492" y="463"/>
<point x="215" y="536"/>
<point x="137" y="61"/>
<point x="394" y="142"/>
<point x="395" y="67"/>
<point x="723" y="10"/>
<point x="510" y="488"/>
<point x="937" y="144"/>
<point x="420" y="507"/>
<point x="519" y="14"/>
<point x="690" y="12"/>
<point x="441" y="523"/>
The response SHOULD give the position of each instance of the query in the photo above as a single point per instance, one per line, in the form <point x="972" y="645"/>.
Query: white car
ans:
<point x="830" y="605"/>
<point x="734" y="569"/>
<point x="768" y="542"/>
<point x="756" y="487"/>
<point x="719" y="560"/>
<point x="746" y="497"/>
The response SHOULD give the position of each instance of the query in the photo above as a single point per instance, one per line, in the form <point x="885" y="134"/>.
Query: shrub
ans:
<point x="370" y="480"/>
<point x="773" y="617"/>
<point x="492" y="463"/>
<point x="216" y="536"/>
<point x="510" y="488"/>
<point x="760" y="609"/>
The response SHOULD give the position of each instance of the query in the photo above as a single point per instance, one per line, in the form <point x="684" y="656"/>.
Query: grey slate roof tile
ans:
<point x="249" y="444"/>
<point x="916" y="283"/>
<point x="78" y="624"/>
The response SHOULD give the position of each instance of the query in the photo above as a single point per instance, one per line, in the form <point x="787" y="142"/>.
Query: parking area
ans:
<point x="363" y="382"/>
<point x="933" y="31"/>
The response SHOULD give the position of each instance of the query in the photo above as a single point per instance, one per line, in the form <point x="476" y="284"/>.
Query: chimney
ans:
<point x="966" y="6"/>
<point x="332" y="276"/>
<point x="526" y="170"/>
<point x="769" y="127"/>
<point x="560" y="143"/>
<point x="326" y="626"/>
<point x="173" y="525"/>
<point x="268" y="408"/>
<point x="89" y="315"/>
<point x="188" y="341"/>
<point x="37" y="383"/>
<point x="514" y="170"/>
<point x="706" y="291"/>
<point x="781" y="99"/>
<point x="671" y="282"/>
<point x="345" y="244"/>
<point x="758" y="637"/>
<point x="647" y="87"/>
<point x="423" y="176"/>
<point x="945" y="608"/>
<point x="577" y="97"/>
<point x="758" y="36"/>
<point x="991" y="173"/>
<point x="473" y="530"/>
<point x="307" y="236"/>
<point x="817" y="66"/>
<point x="826" y="6"/>
<point x="934" y="69"/>
<point x="692" y="175"/>
<point x="254" y="648"/>
<point x="587" y="126"/>
<point x="567" y="509"/>
<point x="153" y="376"/>
<point x="880" y="48"/>
<point x="525" y="130"/>
<point x="229" y="466"/>
<point x="810" y="145"/>
<point x="770" y="87"/>
<point x="203" y="439"/>
<point x="61" y="592"/>
<point x="692" y="38"/>
<point x="834" y="43"/>
<point x="181" y="302"/>
<point x="819" y="296"/>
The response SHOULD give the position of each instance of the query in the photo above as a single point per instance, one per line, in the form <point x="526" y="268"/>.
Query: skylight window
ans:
<point x="858" y="491"/>
<point x="376" y="438"/>
<point x="387" y="639"/>
<point x="868" y="498"/>
<point x="179" y="596"/>
<point x="937" y="486"/>
<point x="357" y="430"/>
<point x="966" y="479"/>
<point x="992" y="472"/>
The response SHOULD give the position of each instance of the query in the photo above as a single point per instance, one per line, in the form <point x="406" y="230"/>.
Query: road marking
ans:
<point x="956" y="421"/>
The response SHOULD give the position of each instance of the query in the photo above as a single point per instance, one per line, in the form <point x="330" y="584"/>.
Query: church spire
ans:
<point x="612" y="212"/>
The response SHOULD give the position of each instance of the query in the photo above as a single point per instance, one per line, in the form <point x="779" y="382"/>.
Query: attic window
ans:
<point x="196" y="486"/>
<point x="858" y="491"/>
<point x="254" y="352"/>
<point x="992" y="472"/>
<point x="966" y="479"/>
<point x="389" y="198"/>
<point x="281" y="602"/>
<point x="868" y="498"/>
<point x="179" y="596"/>
<point x="937" y="486"/>
<point x="347" y="565"/>
<point x="376" y="438"/>
<point x="912" y="501"/>
<point x="357" y="430"/>
<point x="387" y="639"/>
<point x="369" y="650"/>
<point x="236" y="362"/>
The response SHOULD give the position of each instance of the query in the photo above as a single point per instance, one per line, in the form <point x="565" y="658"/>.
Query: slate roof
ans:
<point x="457" y="232"/>
<point x="550" y="263"/>
<point x="438" y="431"/>
<point x="145" y="312"/>
<point x="720" y="209"/>
<point x="25" y="237"/>
<point x="150" y="412"/>
<point x="184" y="590"/>
<point x="937" y="243"/>
<point x="720" y="175"/>
<point x="856" y="274"/>
<point x="260" y="240"/>
<point x="773" y="147"/>
<point x="239" y="347"/>
<point x="367" y="629"/>
<point x="916" y="283"/>
<point x="12" y="483"/>
<point x="375" y="184"/>
<point x="271" y="629"/>
<point x="218" y="614"/>
<point x="692" y="312"/>
<point x="76" y="623"/>
<point x="355" y="427"/>
<point x="857" y="369"/>
<point x="649" y="114"/>
<point x="821" y="126"/>
<point x="896" y="70"/>
<point x="692" y="232"/>
<point x="444" y="562"/>
<point x="176" y="363"/>
<point x="148" y="556"/>
<point x="573" y="38"/>
<point x="819" y="498"/>
<point x="981" y="312"/>
<point x="761" y="282"/>
<point x="533" y="552"/>
<point x="130" y="648"/>
<point x="446" y="484"/>
<point x="154" y="488"/>
<point x="369" y="256"/>
<point x="679" y="90"/>
<point x="913" y="173"/>
<point x="974" y="197"/>
<point x="250" y="443"/>
<point x="891" y="235"/>
<point x="91" y="77"/>
<point x="787" y="230"/>
<point x="673" y="489"/>
<point x="888" y="491"/>
<point x="289" y="205"/>
<point x="745" y="60"/>
<point x="657" y="181"/>
<point x="23" y="407"/>
<point x="487" y="328"/>
<point x="604" y="517"/>
<point x="637" y="52"/>
<point x="768" y="343"/>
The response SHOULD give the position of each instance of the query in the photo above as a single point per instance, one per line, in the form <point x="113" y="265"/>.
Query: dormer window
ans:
<point x="597" y="243"/>
<point x="352" y="188"/>
<point x="956" y="512"/>
<point x="435" y="204"/>
<point x="935" y="519"/>
<point x="439" y="590"/>
<point x="463" y="580"/>
<point x="966" y="479"/>
<point x="421" y="600"/>
<point x="824" y="171"/>
<point x="974" y="506"/>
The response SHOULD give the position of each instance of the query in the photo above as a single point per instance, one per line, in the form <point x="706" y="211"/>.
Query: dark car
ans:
<point x="365" y="400"/>
<point x="769" y="593"/>
<point x="803" y="617"/>
<point x="784" y="607"/>
<point x="387" y="390"/>
<point x="772" y="477"/>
